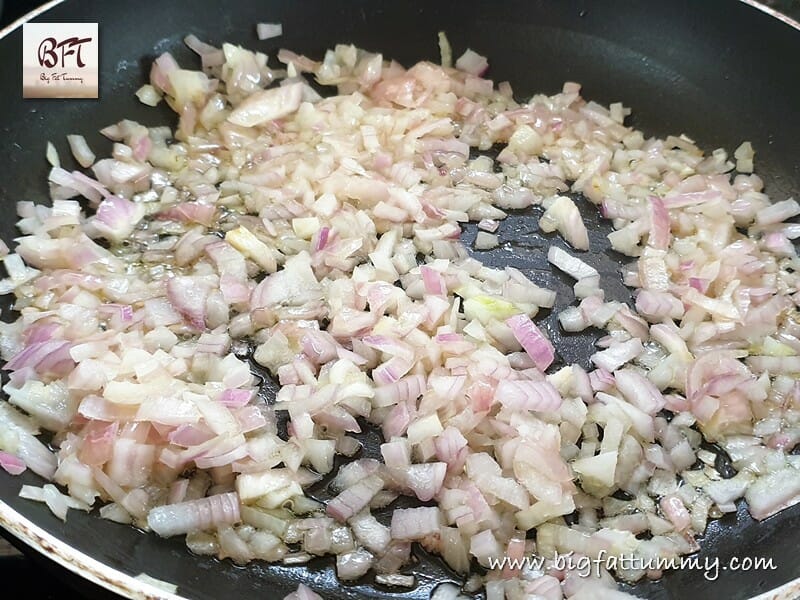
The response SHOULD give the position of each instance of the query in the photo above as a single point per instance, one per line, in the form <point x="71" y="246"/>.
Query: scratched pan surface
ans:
<point x="720" y="71"/>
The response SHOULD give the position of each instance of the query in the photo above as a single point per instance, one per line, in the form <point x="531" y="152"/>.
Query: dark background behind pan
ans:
<point x="718" y="70"/>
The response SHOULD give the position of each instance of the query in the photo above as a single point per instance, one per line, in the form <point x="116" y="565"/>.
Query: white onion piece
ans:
<point x="116" y="218"/>
<point x="773" y="492"/>
<point x="777" y="212"/>
<point x="639" y="391"/>
<point x="266" y="31"/>
<point x="528" y="395"/>
<point x="572" y="319"/>
<point x="52" y="155"/>
<point x="81" y="151"/>
<point x="303" y="593"/>
<point x="17" y="435"/>
<point x="425" y="480"/>
<point x="472" y="62"/>
<point x="160" y="584"/>
<point x="148" y="95"/>
<point x="617" y="355"/>
<point x="396" y="580"/>
<point x="371" y="533"/>
<point x="267" y="105"/>
<point x="484" y="546"/>
<point x="563" y="216"/>
<point x="572" y="266"/>
<point x="656" y="306"/>
<point x="353" y="565"/>
<point x="194" y="515"/>
<point x="353" y="499"/>
<point x="415" y="523"/>
<point x="486" y="241"/>
<point x="57" y="502"/>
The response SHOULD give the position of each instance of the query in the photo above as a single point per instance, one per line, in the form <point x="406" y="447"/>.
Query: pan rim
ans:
<point x="123" y="584"/>
<point x="773" y="13"/>
<point x="755" y="4"/>
<point x="76" y="561"/>
<point x="28" y="16"/>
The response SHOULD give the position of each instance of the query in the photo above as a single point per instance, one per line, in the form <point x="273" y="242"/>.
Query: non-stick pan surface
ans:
<point x="720" y="71"/>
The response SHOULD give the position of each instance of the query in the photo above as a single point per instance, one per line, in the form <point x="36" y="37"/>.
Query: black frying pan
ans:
<point x="721" y="71"/>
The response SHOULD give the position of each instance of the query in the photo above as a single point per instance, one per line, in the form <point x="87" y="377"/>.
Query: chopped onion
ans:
<point x="617" y="355"/>
<point x="532" y="340"/>
<point x="148" y="95"/>
<point x="266" y="31"/>
<point x="473" y="63"/>
<point x="322" y="238"/>
<point x="303" y="593"/>
<point x="11" y="464"/>
<point x="52" y="155"/>
<point x="415" y="523"/>
<point x="353" y="499"/>
<point x="562" y="215"/>
<point x="486" y="241"/>
<point x="194" y="515"/>
<point x="528" y="395"/>
<point x="57" y="502"/>
<point x="267" y="105"/>
<point x="773" y="492"/>
<point x="574" y="267"/>
<point x="81" y="151"/>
